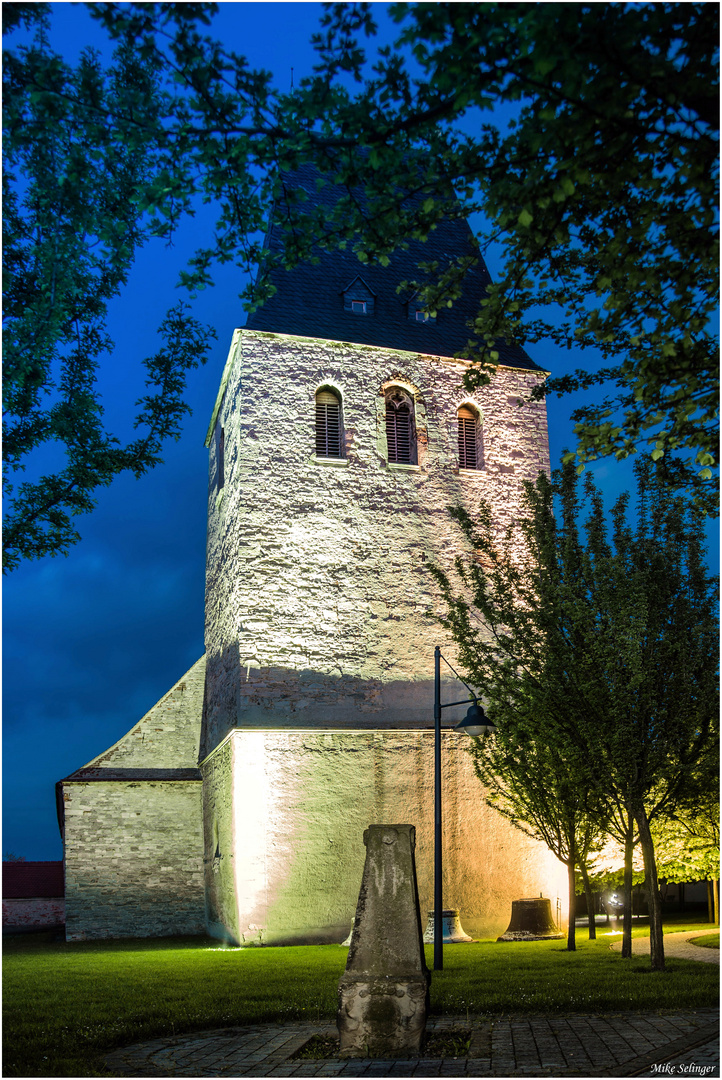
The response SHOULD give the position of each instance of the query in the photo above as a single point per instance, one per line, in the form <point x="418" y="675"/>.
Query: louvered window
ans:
<point x="328" y="425"/>
<point x="400" y="430"/>
<point x="468" y="456"/>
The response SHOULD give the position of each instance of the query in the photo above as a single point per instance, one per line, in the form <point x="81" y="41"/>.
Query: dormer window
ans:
<point x="417" y="312"/>
<point x="358" y="298"/>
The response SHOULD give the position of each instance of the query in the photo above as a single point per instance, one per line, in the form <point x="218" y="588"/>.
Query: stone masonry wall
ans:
<point x="320" y="610"/>
<point x="133" y="827"/>
<point x="300" y="803"/>
<point x="133" y="859"/>
<point x="168" y="736"/>
<point x="219" y="832"/>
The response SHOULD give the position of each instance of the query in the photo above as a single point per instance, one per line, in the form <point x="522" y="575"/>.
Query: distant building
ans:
<point x="33" y="896"/>
<point x="340" y="436"/>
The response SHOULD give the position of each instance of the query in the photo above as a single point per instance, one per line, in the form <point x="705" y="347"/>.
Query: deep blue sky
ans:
<point x="93" y="640"/>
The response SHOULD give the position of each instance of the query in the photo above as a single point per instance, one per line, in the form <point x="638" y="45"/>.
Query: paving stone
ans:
<point x="683" y="1043"/>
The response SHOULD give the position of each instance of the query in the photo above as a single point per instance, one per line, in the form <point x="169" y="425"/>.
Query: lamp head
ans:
<point x="475" y="722"/>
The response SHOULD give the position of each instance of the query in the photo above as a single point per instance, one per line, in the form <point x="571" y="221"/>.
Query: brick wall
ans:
<point x="41" y="913"/>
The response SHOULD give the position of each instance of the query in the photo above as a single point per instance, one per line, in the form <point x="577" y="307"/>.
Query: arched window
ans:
<point x="469" y="448"/>
<point x="400" y="428"/>
<point x="328" y="425"/>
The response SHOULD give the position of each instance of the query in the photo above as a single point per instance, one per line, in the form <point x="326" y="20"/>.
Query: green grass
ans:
<point x="65" y="1006"/>
<point x="707" y="941"/>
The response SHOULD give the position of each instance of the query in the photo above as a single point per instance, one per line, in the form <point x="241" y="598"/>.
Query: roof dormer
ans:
<point x="416" y="310"/>
<point x="358" y="297"/>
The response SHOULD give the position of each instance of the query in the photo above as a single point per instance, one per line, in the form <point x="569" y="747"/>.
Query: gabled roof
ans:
<point x="308" y="298"/>
<point x="363" y="282"/>
<point x="24" y="880"/>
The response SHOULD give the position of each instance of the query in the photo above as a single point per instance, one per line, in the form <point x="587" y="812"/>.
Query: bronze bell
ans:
<point x="452" y="931"/>
<point x="531" y="920"/>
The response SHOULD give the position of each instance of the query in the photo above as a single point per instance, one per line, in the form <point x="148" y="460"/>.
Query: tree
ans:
<point x="688" y="842"/>
<point x="602" y="647"/>
<point x="72" y="225"/>
<point x="602" y="192"/>
<point x="532" y="785"/>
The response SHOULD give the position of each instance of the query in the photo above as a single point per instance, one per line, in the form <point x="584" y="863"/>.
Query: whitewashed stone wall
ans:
<point x="220" y="855"/>
<point x="168" y="736"/>
<point x="133" y="827"/>
<point x="321" y="617"/>
<point x="320" y="610"/>
<point x="299" y="803"/>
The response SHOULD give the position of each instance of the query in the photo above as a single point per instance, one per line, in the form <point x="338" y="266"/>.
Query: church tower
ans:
<point x="340" y="436"/>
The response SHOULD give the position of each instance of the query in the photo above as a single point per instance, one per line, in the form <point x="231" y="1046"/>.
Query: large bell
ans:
<point x="452" y="932"/>
<point x="531" y="920"/>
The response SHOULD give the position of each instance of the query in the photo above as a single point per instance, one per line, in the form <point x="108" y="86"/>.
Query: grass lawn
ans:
<point x="65" y="1006"/>
<point x="707" y="941"/>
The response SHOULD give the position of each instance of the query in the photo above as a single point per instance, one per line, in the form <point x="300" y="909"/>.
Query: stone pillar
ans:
<point x="383" y="994"/>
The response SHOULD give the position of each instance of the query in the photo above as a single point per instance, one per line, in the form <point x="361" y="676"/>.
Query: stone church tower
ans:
<point x="340" y="436"/>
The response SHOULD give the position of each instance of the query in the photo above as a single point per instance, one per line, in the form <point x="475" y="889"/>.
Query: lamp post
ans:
<point x="474" y="723"/>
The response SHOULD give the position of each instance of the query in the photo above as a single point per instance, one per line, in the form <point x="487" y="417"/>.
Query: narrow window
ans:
<point x="469" y="458"/>
<point x="221" y="465"/>
<point x="400" y="436"/>
<point x="328" y="425"/>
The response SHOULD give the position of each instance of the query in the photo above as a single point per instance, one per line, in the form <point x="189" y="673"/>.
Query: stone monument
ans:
<point x="383" y="994"/>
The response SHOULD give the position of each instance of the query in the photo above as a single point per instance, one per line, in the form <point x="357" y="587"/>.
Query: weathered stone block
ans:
<point x="383" y="994"/>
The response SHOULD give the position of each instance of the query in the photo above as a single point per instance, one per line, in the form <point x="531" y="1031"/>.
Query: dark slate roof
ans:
<point x="94" y="773"/>
<point x="309" y="298"/>
<point x="22" y="880"/>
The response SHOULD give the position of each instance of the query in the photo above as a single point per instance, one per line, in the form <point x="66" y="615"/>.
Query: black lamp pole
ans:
<point x="475" y="723"/>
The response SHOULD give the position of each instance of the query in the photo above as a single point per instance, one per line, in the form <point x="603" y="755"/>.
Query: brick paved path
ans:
<point x="624" y="1045"/>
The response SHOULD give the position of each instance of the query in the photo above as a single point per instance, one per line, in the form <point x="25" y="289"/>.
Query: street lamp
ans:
<point x="474" y="723"/>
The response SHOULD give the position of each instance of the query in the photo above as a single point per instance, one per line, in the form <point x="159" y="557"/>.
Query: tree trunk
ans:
<point x="589" y="896"/>
<point x="710" y="902"/>
<point x="571" y="940"/>
<point x="654" y="899"/>
<point x="627" y="889"/>
<point x="715" y="894"/>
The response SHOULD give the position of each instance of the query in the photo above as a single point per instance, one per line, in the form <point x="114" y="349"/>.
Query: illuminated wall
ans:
<point x="321" y="622"/>
<point x="320" y="610"/>
<point x="300" y="801"/>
